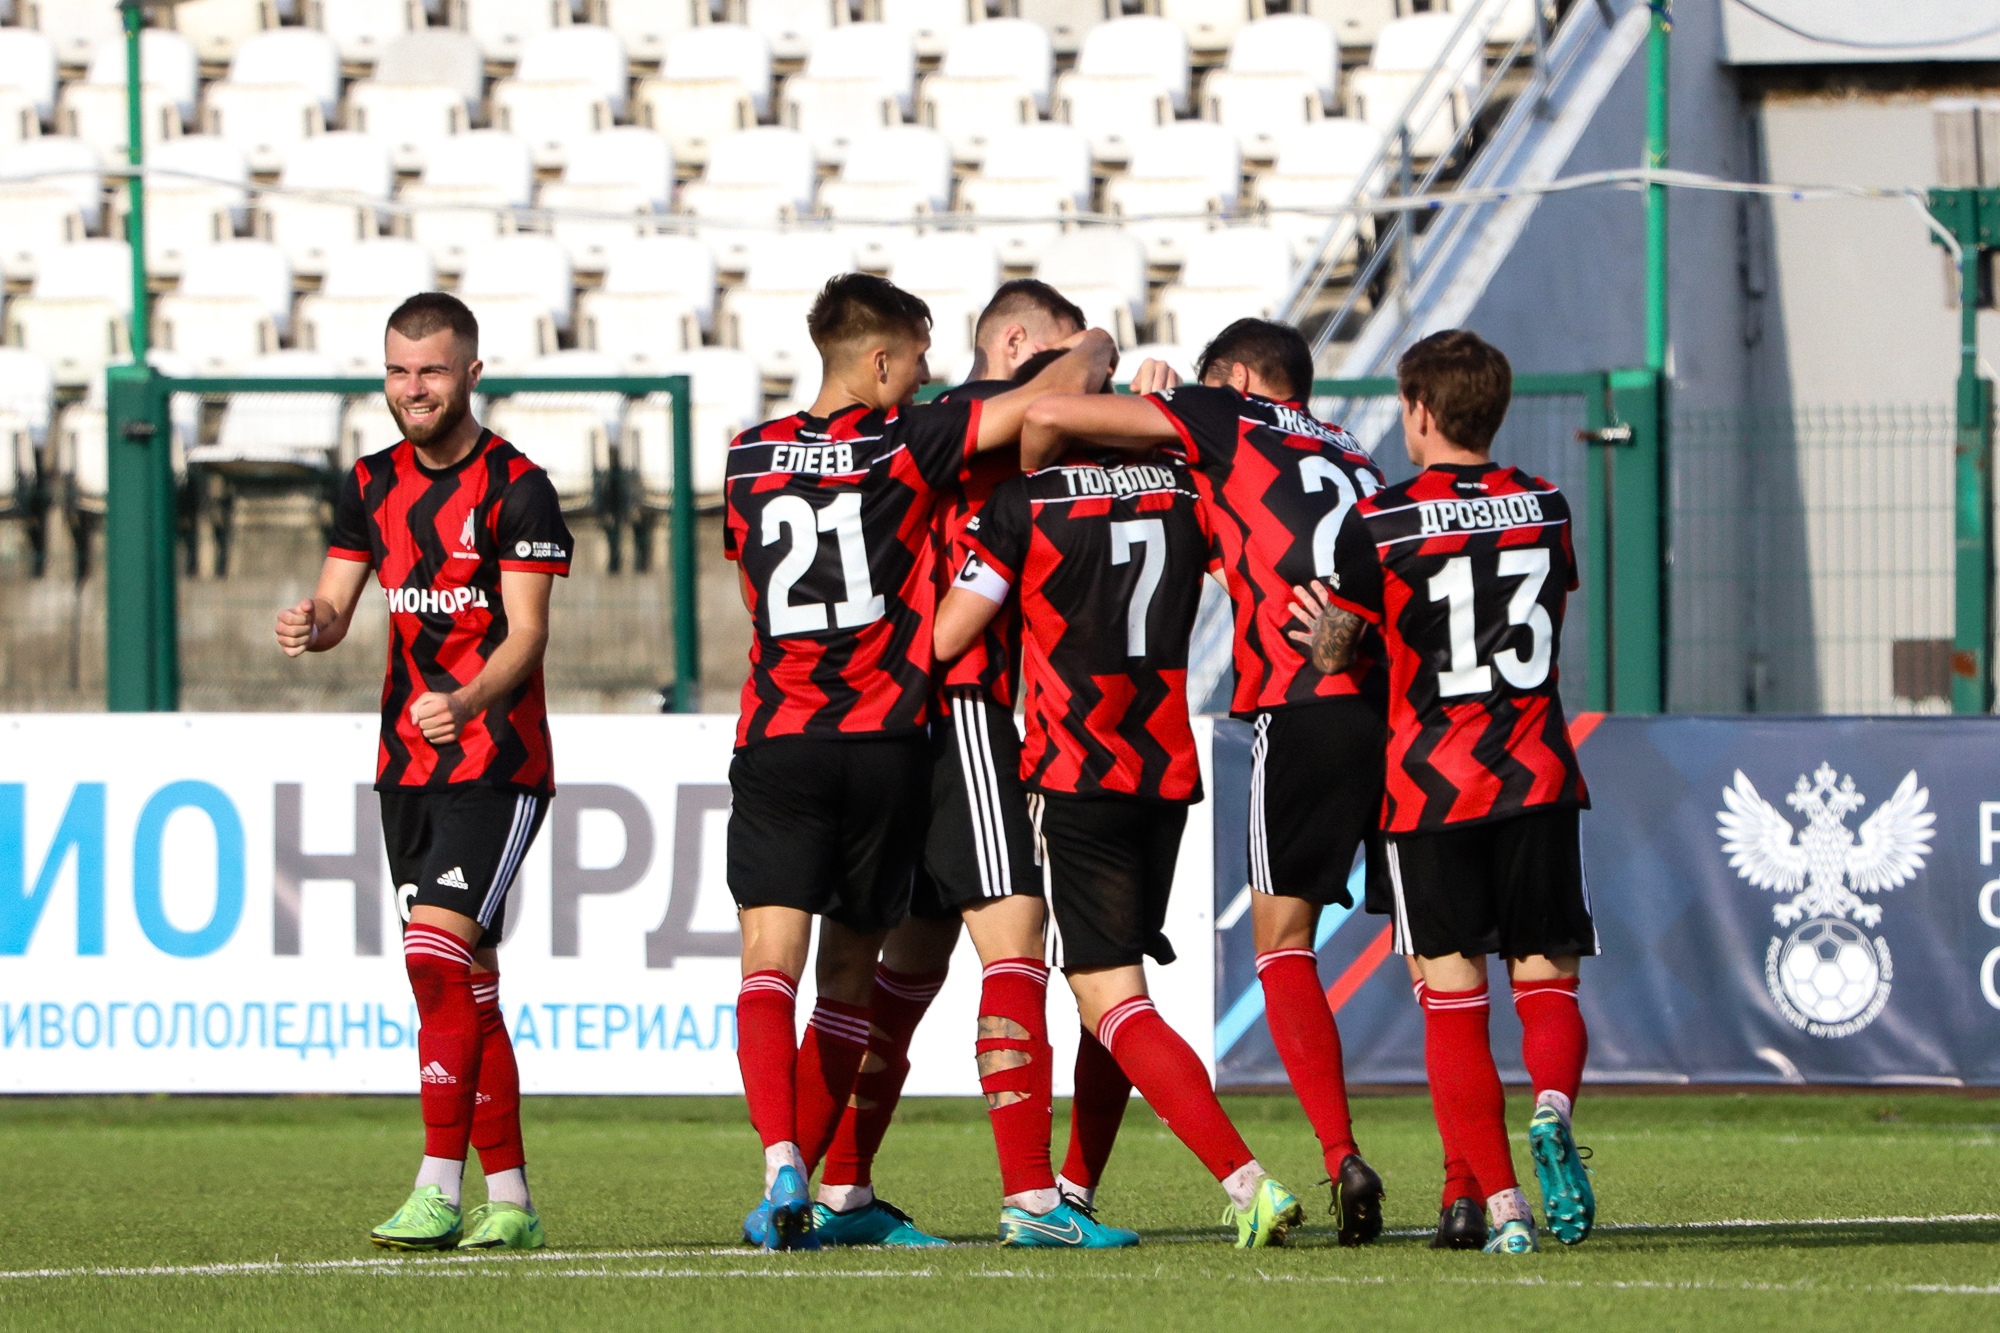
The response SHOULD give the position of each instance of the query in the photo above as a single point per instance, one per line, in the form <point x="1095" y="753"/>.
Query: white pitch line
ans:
<point x="455" y="1265"/>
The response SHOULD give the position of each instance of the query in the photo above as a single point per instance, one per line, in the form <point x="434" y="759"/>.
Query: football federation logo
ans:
<point x="1829" y="976"/>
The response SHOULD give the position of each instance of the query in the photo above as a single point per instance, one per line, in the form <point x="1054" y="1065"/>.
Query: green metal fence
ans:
<point x="619" y="634"/>
<point x="1813" y="560"/>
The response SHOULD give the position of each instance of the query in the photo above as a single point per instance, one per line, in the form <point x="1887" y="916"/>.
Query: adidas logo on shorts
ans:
<point x="436" y="1073"/>
<point x="454" y="878"/>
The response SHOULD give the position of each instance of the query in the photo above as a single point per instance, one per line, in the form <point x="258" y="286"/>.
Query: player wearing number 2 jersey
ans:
<point x="828" y="515"/>
<point x="1466" y="568"/>
<point x="1276" y="484"/>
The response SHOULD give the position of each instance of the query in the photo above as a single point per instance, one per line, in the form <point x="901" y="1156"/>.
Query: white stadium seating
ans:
<point x="28" y="65"/>
<point x="1396" y="72"/>
<point x="1355" y="22"/>
<point x="1189" y="167"/>
<point x="345" y="320"/>
<point x="297" y="57"/>
<point x="679" y="267"/>
<point x="1259" y="108"/>
<point x="18" y="117"/>
<point x="531" y="266"/>
<point x="1103" y="270"/>
<point x="994" y="75"/>
<point x="567" y="84"/>
<point x="282" y="87"/>
<point x="648" y="26"/>
<point x="75" y="318"/>
<point x="716" y="80"/>
<point x="254" y="269"/>
<point x="363" y="29"/>
<point x="788" y="25"/>
<point x="456" y="204"/>
<point x="897" y="174"/>
<point x="1139" y="45"/>
<point x="625" y="170"/>
<point x="292" y="430"/>
<point x="956" y="273"/>
<point x="858" y="77"/>
<point x="1182" y="359"/>
<point x="35" y="219"/>
<point x="505" y="28"/>
<point x="1227" y="275"/>
<point x="1067" y="21"/>
<point x="1290" y="44"/>
<point x="167" y="62"/>
<point x="219" y="28"/>
<point x="1318" y="166"/>
<point x="56" y="163"/>
<point x="1032" y="171"/>
<point x="766" y="315"/>
<point x="1210" y="25"/>
<point x="728" y="399"/>
<point x="96" y="114"/>
<point x="197" y="196"/>
<point x="754" y="178"/>
<point x="427" y="87"/>
<point x="27" y="391"/>
<point x="74" y="27"/>
<point x="350" y="176"/>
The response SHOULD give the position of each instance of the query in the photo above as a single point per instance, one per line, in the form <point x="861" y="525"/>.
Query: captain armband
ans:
<point x="979" y="577"/>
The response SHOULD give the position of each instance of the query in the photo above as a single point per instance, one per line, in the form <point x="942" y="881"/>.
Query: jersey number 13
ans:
<point x="1453" y="584"/>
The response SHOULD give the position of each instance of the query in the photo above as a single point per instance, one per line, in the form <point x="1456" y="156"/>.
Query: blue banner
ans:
<point x="1779" y="900"/>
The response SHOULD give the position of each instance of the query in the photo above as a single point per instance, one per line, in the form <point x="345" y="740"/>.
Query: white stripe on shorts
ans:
<point x="1260" y="836"/>
<point x="982" y="795"/>
<point x="518" y="837"/>
<point x="1401" y="939"/>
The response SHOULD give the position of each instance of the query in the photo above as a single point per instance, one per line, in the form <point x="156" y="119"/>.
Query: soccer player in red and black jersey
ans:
<point x="979" y="864"/>
<point x="830" y="517"/>
<point x="466" y="537"/>
<point x="1106" y="554"/>
<point x="1465" y="568"/>
<point x="1276" y="484"/>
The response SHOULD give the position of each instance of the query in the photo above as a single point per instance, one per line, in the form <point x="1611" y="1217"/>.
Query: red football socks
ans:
<point x="448" y="1040"/>
<point x="1170" y="1076"/>
<point x="898" y="1005"/>
<point x="1096" y="1110"/>
<point x="1465" y="1086"/>
<point x="828" y="1061"/>
<point x="1015" y="1070"/>
<point x="496" y="1113"/>
<point x="1553" y="1040"/>
<point x="1308" y="1042"/>
<point x="767" y="1053"/>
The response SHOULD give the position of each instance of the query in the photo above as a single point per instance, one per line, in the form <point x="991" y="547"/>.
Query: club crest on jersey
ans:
<point x="1829" y="977"/>
<point x="466" y="534"/>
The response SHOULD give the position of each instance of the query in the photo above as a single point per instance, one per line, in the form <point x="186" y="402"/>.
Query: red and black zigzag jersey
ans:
<point x="830" y="519"/>
<point x="438" y="542"/>
<point x="993" y="664"/>
<point x="1466" y="568"/>
<point x="1278" y="484"/>
<point x="1107" y="555"/>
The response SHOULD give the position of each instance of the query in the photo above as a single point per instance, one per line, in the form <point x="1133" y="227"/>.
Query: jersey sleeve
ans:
<point x="941" y="438"/>
<point x="350" y="523"/>
<point x="533" y="537"/>
<point x="1205" y="418"/>
<point x="1357" y="570"/>
<point x="989" y="552"/>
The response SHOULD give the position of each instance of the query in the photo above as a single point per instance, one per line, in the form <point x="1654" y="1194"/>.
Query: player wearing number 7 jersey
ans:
<point x="1466" y="568"/>
<point x="829" y="518"/>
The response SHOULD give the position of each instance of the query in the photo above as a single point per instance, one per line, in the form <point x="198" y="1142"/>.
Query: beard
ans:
<point x="440" y="424"/>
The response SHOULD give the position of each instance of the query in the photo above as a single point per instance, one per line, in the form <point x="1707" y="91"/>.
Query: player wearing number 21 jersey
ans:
<point x="1466" y="568"/>
<point x="829" y="517"/>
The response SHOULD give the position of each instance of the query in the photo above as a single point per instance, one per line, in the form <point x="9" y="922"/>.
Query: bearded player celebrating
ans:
<point x="466" y="537"/>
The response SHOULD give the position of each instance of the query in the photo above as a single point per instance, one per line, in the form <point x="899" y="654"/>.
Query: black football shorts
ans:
<point x="831" y="827"/>
<point x="981" y="844"/>
<point x="1110" y="873"/>
<point x="1315" y="795"/>
<point x="1512" y="887"/>
<point x="459" y="848"/>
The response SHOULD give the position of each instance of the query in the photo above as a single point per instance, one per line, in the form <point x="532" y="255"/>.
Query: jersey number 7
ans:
<point x="1453" y="584"/>
<point x="1151" y="535"/>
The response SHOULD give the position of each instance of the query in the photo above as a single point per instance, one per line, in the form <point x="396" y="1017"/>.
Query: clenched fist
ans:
<point x="298" y="627"/>
<point x="439" y="716"/>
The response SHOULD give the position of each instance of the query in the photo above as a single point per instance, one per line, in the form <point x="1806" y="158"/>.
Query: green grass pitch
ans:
<point x="1807" y="1212"/>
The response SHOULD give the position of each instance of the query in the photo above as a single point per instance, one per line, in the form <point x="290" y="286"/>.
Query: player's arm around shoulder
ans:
<point x="1131" y="422"/>
<point x="1330" y="620"/>
<point x="1083" y="369"/>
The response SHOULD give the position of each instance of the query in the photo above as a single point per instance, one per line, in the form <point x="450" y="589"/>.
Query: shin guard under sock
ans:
<point x="1554" y="1043"/>
<point x="829" y="1059"/>
<point x="767" y="1053"/>
<point x="1015" y="1070"/>
<point x="496" y="1112"/>
<point x="448" y="1045"/>
<point x="1096" y="1110"/>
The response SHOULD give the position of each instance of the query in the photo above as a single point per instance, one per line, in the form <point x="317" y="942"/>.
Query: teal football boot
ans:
<point x="1567" y="1198"/>
<point x="1067" y="1226"/>
<point x="873" y="1223"/>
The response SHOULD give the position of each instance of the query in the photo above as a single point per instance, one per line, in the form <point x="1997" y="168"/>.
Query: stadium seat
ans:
<point x="1004" y="48"/>
<point x="363" y="29"/>
<point x="1067" y="21"/>
<point x="179" y="219"/>
<point x="282" y="88"/>
<point x="200" y="162"/>
<point x="994" y="75"/>
<point x="69" y="166"/>
<point x="296" y="57"/>
<point x="362" y="285"/>
<point x="892" y="175"/>
<point x="1210" y="25"/>
<point x="522" y="266"/>
<point x="623" y="170"/>
<point x="1258" y="108"/>
<point x="858" y="77"/>
<point x="1189" y="167"/>
<point x="27" y="391"/>
<point x="465" y="194"/>
<point x="1227" y="275"/>
<point x="1505" y="24"/>
<point x="96" y="114"/>
<point x="1397" y="72"/>
<point x="1354" y="22"/>
<point x="74" y="27"/>
<point x="427" y="86"/>
<point x="550" y="114"/>
<point x="1031" y="171"/>
<point x="219" y="28"/>
<point x="568" y="440"/>
<point x="954" y="272"/>
<point x="18" y="118"/>
<point x="679" y="266"/>
<point x="648" y="26"/>
<point x="216" y="334"/>
<point x="586" y="53"/>
<point x="75" y="318"/>
<point x="35" y="219"/>
<point x="256" y="269"/>
<point x="766" y="315"/>
<point x="867" y="51"/>
<point x="352" y="168"/>
<point x="366" y="427"/>
<point x="931" y="24"/>
<point x="1111" y="110"/>
<point x="788" y="25"/>
<point x="28" y="65"/>
<point x="1103" y="270"/>
<point x="1139" y="45"/>
<point x="1291" y="44"/>
<point x="383" y="268"/>
<point x="1318" y="167"/>
<point x="167" y="62"/>
<point x="505" y="28"/>
<point x="728" y="399"/>
<point x="716" y="80"/>
<point x="756" y="176"/>
<point x="286" y="430"/>
<point x="513" y="330"/>
<point x="637" y="328"/>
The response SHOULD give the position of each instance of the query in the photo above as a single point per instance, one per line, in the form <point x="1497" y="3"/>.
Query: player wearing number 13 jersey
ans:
<point x="1466" y="568"/>
<point x="829" y="518"/>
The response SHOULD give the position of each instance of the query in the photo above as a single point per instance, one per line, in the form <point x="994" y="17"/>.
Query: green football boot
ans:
<point x="426" y="1221"/>
<point x="1567" y="1198"/>
<point x="502" y="1226"/>
<point x="1269" y="1218"/>
<point x="1514" y="1237"/>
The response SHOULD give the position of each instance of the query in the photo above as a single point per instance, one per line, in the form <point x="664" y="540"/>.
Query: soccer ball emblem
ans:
<point x="1829" y="970"/>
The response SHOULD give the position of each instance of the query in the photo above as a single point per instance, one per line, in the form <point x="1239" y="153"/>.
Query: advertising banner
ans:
<point x="200" y="903"/>
<point x="1778" y="900"/>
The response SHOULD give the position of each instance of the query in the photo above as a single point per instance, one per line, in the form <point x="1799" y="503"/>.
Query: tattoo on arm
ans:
<point x="1334" y="637"/>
